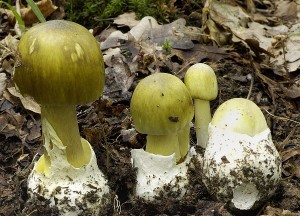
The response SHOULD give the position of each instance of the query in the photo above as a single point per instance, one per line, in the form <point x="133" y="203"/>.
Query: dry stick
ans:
<point x="17" y="27"/>
<point x="251" y="77"/>
<point x="282" y="118"/>
<point x="153" y="47"/>
<point x="286" y="140"/>
<point x="106" y="147"/>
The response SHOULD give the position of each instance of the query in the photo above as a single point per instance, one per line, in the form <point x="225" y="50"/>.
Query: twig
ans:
<point x="17" y="26"/>
<point x="153" y="47"/>
<point x="251" y="77"/>
<point x="282" y="118"/>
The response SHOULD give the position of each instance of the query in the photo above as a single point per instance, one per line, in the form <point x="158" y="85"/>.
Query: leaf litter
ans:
<point x="238" y="40"/>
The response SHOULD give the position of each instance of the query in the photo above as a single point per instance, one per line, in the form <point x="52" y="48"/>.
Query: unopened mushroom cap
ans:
<point x="60" y="63"/>
<point x="161" y="104"/>
<point x="241" y="116"/>
<point x="201" y="81"/>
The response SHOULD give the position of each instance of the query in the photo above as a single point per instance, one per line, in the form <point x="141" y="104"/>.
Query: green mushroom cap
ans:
<point x="201" y="81"/>
<point x="241" y="116"/>
<point x="161" y="104"/>
<point x="60" y="63"/>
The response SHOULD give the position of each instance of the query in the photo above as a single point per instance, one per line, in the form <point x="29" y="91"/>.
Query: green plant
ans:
<point x="167" y="47"/>
<point x="19" y="19"/>
<point x="17" y="16"/>
<point x="91" y="12"/>
<point x="36" y="10"/>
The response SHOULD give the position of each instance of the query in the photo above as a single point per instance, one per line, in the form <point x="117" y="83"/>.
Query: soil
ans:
<point x="102" y="123"/>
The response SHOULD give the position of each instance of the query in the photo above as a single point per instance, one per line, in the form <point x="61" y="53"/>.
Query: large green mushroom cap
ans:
<point x="60" y="63"/>
<point x="241" y="116"/>
<point x="161" y="104"/>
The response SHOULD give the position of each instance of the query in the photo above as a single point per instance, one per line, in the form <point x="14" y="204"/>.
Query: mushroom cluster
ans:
<point x="61" y="65"/>
<point x="162" y="108"/>
<point x="241" y="163"/>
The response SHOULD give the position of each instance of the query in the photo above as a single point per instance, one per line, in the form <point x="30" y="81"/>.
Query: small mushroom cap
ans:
<point x="201" y="81"/>
<point x="60" y="63"/>
<point x="241" y="116"/>
<point x="161" y="104"/>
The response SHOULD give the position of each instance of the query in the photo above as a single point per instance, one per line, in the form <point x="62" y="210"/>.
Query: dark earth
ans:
<point x="104" y="123"/>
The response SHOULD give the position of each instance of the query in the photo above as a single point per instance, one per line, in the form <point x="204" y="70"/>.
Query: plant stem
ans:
<point x="202" y="119"/>
<point x="63" y="120"/>
<point x="163" y="145"/>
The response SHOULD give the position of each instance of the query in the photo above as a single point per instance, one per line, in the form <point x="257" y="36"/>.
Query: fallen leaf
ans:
<point x="28" y="16"/>
<point x="118" y="76"/>
<point x="293" y="91"/>
<point x="289" y="153"/>
<point x="127" y="19"/>
<point x="28" y="102"/>
<point x="286" y="10"/>
<point x="2" y="83"/>
<point x="115" y="39"/>
<point x="34" y="133"/>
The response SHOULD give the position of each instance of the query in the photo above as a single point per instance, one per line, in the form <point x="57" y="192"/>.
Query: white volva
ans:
<point x="74" y="191"/>
<point x="156" y="171"/>
<point x="241" y="168"/>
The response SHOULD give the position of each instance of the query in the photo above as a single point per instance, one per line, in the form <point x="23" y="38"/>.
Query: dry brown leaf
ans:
<point x="34" y="133"/>
<point x="118" y="77"/>
<point x="293" y="91"/>
<point x="127" y="19"/>
<point x="198" y="53"/>
<point x="286" y="10"/>
<point x="27" y="101"/>
<point x="28" y="16"/>
<point x="289" y="153"/>
<point x="270" y="211"/>
<point x="2" y="83"/>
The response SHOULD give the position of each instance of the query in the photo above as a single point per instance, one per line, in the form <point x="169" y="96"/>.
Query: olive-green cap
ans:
<point x="201" y="81"/>
<point x="161" y="104"/>
<point x="60" y="62"/>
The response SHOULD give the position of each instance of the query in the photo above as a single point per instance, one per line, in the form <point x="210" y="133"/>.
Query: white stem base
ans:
<point x="75" y="191"/>
<point x="241" y="169"/>
<point x="156" y="171"/>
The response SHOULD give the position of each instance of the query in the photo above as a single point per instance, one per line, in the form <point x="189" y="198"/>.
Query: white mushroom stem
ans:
<point x="163" y="145"/>
<point x="202" y="120"/>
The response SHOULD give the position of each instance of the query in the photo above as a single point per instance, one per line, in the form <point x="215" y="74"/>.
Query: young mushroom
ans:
<point x="201" y="81"/>
<point x="61" y="65"/>
<point x="241" y="163"/>
<point x="161" y="107"/>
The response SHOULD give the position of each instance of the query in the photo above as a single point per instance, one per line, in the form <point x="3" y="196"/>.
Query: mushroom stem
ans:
<point x="63" y="121"/>
<point x="184" y="141"/>
<point x="163" y="145"/>
<point x="202" y="119"/>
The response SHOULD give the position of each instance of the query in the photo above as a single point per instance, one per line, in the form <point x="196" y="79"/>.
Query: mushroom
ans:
<point x="241" y="164"/>
<point x="162" y="108"/>
<point x="201" y="81"/>
<point x="61" y="65"/>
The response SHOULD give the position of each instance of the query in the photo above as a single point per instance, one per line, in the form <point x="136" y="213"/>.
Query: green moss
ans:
<point x="90" y="13"/>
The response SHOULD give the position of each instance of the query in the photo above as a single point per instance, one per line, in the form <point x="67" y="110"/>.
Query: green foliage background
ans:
<point x="91" y="12"/>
